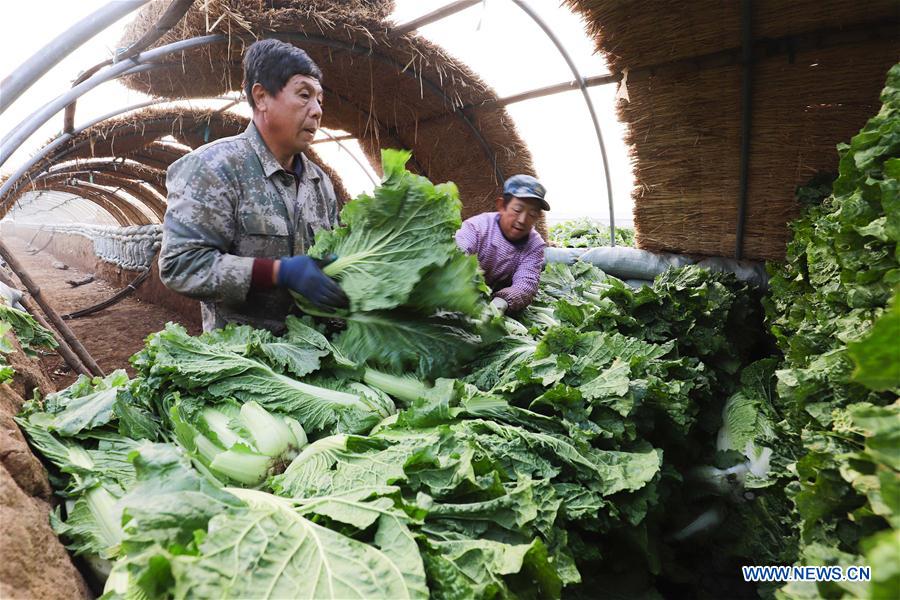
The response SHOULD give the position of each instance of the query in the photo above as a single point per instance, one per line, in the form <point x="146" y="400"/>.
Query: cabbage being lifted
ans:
<point x="391" y="240"/>
<point x="416" y="300"/>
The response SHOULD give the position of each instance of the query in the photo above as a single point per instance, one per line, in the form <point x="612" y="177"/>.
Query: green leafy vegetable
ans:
<point x="285" y="555"/>
<point x="416" y="300"/>
<point x="390" y="239"/>
<point x="244" y="443"/>
<point x="828" y="309"/>
<point x="587" y="233"/>
<point x="30" y="335"/>
<point x="877" y="356"/>
<point x="196" y="365"/>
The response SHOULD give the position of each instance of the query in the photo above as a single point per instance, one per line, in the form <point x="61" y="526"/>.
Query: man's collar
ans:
<point x="308" y="171"/>
<point x="268" y="161"/>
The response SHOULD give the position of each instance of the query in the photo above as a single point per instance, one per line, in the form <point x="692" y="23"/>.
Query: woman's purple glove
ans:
<point x="304" y="275"/>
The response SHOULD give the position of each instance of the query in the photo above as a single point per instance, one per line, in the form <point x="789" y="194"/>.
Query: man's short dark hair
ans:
<point x="271" y="63"/>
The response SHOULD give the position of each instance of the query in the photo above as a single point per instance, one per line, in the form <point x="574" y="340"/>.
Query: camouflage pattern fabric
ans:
<point x="229" y="202"/>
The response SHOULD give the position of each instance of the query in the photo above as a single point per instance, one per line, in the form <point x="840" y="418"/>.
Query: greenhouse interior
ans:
<point x="450" y="298"/>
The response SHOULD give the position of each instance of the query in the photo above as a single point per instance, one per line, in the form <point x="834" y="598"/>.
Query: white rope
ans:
<point x="132" y="248"/>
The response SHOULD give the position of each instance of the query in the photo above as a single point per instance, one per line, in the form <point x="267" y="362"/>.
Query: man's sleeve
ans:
<point x="467" y="237"/>
<point x="198" y="231"/>
<point x="525" y="280"/>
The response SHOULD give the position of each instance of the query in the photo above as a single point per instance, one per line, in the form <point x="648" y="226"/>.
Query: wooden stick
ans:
<point x="52" y="315"/>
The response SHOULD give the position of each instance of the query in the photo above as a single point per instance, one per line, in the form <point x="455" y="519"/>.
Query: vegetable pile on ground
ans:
<point x="836" y="414"/>
<point x="604" y="443"/>
<point x="587" y="233"/>
<point x="808" y="445"/>
<point x="374" y="458"/>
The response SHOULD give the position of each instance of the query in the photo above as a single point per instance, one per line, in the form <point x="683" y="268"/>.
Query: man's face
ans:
<point x="293" y="116"/>
<point x="518" y="217"/>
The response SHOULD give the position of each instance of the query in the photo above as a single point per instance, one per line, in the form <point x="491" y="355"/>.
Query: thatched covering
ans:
<point x="386" y="90"/>
<point x="127" y="153"/>
<point x="819" y="67"/>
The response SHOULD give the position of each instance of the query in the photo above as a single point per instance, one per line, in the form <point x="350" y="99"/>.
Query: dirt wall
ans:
<point x="33" y="562"/>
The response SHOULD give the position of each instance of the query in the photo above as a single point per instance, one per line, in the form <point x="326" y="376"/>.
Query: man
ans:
<point x="243" y="210"/>
<point x="509" y="250"/>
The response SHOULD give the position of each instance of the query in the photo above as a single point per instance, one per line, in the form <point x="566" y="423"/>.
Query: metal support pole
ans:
<point x="337" y="140"/>
<point x="334" y="138"/>
<point x="23" y="130"/>
<point x="148" y="197"/>
<point x="11" y="183"/>
<point x="436" y="15"/>
<point x="172" y="15"/>
<point x="44" y="59"/>
<point x="587" y="98"/>
<point x="550" y="90"/>
<point x="63" y="347"/>
<point x="746" y="115"/>
<point x="410" y="71"/>
<point x="27" y="127"/>
<point x="177" y="9"/>
<point x="52" y="315"/>
<point x="721" y="58"/>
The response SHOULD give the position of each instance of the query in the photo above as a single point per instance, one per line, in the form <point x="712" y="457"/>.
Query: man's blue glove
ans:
<point x="304" y="275"/>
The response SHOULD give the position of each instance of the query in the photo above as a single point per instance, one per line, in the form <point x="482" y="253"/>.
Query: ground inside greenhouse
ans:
<point x="111" y="335"/>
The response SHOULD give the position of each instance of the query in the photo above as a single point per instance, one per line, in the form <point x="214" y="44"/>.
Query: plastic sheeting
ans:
<point x="563" y="255"/>
<point x="132" y="248"/>
<point x="632" y="263"/>
<point x="640" y="267"/>
<point x="10" y="296"/>
<point x="638" y="283"/>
